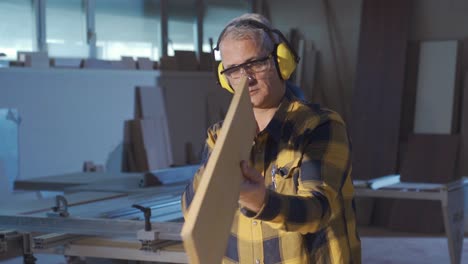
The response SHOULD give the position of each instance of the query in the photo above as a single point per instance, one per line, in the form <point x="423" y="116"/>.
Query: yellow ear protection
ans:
<point x="285" y="57"/>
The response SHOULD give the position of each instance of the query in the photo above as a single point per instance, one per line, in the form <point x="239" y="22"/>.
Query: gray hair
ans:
<point x="236" y="30"/>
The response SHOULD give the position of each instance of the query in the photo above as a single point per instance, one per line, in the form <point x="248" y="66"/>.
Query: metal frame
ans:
<point x="451" y="197"/>
<point x="164" y="40"/>
<point x="89" y="226"/>
<point x="10" y="244"/>
<point x="91" y="37"/>
<point x="14" y="244"/>
<point x="109" y="248"/>
<point x="40" y="18"/>
<point x="198" y="27"/>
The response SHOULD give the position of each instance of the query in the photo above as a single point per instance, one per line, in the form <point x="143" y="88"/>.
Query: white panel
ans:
<point x="73" y="115"/>
<point x="69" y="115"/>
<point x="436" y="87"/>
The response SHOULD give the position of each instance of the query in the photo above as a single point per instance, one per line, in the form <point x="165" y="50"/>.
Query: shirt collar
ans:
<point x="274" y="128"/>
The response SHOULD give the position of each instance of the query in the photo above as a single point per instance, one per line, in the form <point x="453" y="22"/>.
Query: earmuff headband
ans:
<point x="257" y="24"/>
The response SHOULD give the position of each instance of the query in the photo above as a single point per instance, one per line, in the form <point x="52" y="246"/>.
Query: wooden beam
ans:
<point x="209" y="219"/>
<point x="377" y="95"/>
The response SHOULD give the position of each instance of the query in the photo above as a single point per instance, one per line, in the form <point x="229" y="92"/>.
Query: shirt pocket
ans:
<point x="285" y="176"/>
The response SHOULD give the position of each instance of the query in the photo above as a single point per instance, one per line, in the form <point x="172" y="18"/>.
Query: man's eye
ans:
<point x="232" y="72"/>
<point x="260" y="63"/>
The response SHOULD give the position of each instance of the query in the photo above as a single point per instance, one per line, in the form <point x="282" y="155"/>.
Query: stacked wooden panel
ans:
<point x="146" y="138"/>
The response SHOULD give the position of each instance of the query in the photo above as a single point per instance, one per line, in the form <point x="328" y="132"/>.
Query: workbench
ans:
<point x="450" y="195"/>
<point x="94" y="217"/>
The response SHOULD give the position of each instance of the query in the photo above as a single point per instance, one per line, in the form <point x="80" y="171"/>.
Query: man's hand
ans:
<point x="252" y="193"/>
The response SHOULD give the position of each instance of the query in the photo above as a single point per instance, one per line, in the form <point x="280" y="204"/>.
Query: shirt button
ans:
<point x="254" y="223"/>
<point x="257" y="261"/>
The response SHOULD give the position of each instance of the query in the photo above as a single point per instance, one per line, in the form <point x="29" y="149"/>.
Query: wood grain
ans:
<point x="377" y="96"/>
<point x="211" y="213"/>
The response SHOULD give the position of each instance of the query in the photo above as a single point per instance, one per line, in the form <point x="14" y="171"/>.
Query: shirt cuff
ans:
<point x="270" y="209"/>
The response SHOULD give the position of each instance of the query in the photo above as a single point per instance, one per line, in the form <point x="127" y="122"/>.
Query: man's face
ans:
<point x="265" y="87"/>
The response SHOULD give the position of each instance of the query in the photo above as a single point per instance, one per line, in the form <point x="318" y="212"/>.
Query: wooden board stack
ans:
<point x="146" y="138"/>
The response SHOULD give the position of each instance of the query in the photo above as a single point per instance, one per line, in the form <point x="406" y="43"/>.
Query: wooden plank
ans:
<point x="377" y="95"/>
<point x="409" y="92"/>
<point x="429" y="159"/>
<point x="187" y="119"/>
<point x="186" y="60"/>
<point x="382" y="214"/>
<point x="36" y="59"/>
<point x="309" y="69"/>
<point x="436" y="88"/>
<point x="129" y="63"/>
<point x="149" y="100"/>
<point x="168" y="63"/>
<point x="155" y="143"/>
<point x="463" y="166"/>
<point x="153" y="128"/>
<point x="128" y="155"/>
<point x="210" y="215"/>
<point x="206" y="62"/>
<point x="144" y="63"/>
<point x="102" y="64"/>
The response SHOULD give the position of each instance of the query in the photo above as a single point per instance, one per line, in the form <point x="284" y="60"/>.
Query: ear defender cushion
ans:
<point x="286" y="61"/>
<point x="222" y="79"/>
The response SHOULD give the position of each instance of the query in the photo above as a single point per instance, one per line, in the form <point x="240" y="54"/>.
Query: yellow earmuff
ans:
<point x="286" y="61"/>
<point x="222" y="79"/>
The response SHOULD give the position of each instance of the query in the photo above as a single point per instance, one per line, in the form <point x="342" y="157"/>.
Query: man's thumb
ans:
<point x="250" y="173"/>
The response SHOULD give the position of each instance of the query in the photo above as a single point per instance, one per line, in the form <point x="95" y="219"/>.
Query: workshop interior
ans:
<point x="105" y="106"/>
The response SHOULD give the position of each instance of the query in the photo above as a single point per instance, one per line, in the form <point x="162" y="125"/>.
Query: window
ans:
<point x="123" y="27"/>
<point x="127" y="28"/>
<point x="181" y="26"/>
<point x="217" y="15"/>
<point x="17" y="27"/>
<point x="66" y="29"/>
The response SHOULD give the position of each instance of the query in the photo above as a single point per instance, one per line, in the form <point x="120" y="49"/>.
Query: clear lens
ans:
<point x="256" y="66"/>
<point x="234" y="73"/>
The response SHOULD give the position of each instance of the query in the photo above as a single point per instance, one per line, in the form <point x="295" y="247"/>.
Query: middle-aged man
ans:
<point x="296" y="200"/>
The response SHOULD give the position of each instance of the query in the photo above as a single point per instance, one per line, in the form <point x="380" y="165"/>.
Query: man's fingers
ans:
<point x="250" y="173"/>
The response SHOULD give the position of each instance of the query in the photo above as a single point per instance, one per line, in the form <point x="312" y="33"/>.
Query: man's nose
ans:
<point x="251" y="80"/>
<point x="250" y="76"/>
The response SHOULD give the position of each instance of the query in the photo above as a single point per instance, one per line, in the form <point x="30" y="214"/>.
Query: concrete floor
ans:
<point x="382" y="246"/>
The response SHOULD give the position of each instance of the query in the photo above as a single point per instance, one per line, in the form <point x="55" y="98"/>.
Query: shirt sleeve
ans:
<point x="325" y="165"/>
<point x="192" y="186"/>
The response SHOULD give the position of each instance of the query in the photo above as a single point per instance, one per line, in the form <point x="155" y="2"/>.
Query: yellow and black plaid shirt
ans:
<point x="309" y="215"/>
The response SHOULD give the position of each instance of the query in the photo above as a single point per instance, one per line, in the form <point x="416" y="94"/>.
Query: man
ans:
<point x="296" y="201"/>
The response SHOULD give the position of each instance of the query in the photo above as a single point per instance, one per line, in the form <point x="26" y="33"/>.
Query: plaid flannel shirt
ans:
<point x="309" y="213"/>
